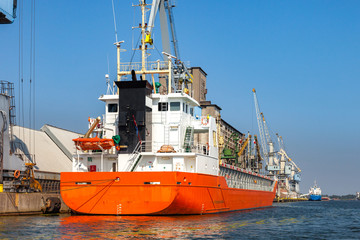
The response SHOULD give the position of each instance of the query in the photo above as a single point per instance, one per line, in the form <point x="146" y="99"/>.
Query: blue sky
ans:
<point x="302" y="57"/>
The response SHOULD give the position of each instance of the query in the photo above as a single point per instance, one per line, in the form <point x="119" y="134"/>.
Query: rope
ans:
<point x="34" y="119"/>
<point x="96" y="195"/>
<point x="90" y="180"/>
<point x="31" y="68"/>
<point x="20" y="60"/>
<point x="108" y="187"/>
<point x="21" y="87"/>
<point x="57" y="191"/>
<point x="158" y="51"/>
<point x="132" y="57"/>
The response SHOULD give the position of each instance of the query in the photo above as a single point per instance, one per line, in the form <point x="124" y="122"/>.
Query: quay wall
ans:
<point x="26" y="203"/>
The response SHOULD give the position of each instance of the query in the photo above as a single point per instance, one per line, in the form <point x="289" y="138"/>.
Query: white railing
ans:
<point x="241" y="180"/>
<point x="136" y="66"/>
<point x="133" y="157"/>
<point x="201" y="149"/>
<point x="147" y="146"/>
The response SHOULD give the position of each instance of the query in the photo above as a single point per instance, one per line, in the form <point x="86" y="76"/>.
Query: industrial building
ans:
<point x="50" y="149"/>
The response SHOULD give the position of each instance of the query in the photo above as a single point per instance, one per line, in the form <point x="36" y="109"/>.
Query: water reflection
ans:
<point x="322" y="220"/>
<point x="114" y="227"/>
<point x="194" y="226"/>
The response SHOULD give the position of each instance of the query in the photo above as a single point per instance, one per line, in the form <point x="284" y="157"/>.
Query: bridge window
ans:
<point x="112" y="107"/>
<point x="163" y="106"/>
<point x="175" y="106"/>
<point x="185" y="108"/>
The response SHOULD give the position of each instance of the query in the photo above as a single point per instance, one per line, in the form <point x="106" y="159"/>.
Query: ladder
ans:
<point x="166" y="135"/>
<point x="189" y="139"/>
<point x="134" y="158"/>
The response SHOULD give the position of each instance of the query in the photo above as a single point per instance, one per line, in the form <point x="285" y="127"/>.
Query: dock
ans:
<point x="283" y="200"/>
<point x="27" y="203"/>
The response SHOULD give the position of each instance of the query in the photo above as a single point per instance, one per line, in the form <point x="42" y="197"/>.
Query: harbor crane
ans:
<point x="279" y="164"/>
<point x="261" y="128"/>
<point x="283" y="152"/>
<point x="267" y="145"/>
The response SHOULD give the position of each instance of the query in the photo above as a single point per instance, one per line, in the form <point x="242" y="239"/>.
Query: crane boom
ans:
<point x="172" y="28"/>
<point x="282" y="151"/>
<point x="164" y="7"/>
<point x="257" y="148"/>
<point x="266" y="129"/>
<point x="153" y="12"/>
<point x="244" y="145"/>
<point x="261" y="128"/>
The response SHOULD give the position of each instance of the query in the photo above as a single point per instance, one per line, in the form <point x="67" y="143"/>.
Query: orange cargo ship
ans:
<point x="143" y="157"/>
<point x="156" y="193"/>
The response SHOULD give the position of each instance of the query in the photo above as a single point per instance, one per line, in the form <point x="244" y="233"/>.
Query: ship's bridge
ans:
<point x="176" y="117"/>
<point x="110" y="118"/>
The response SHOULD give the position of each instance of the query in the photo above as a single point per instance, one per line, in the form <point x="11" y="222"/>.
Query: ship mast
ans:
<point x="143" y="45"/>
<point x="117" y="44"/>
<point x="157" y="67"/>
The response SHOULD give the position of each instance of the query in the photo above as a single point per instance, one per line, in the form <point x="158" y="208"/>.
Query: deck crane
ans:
<point x="181" y="74"/>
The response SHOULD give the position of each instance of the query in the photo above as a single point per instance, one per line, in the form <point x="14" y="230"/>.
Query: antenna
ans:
<point x="108" y="63"/>
<point x="110" y="90"/>
<point x="116" y="38"/>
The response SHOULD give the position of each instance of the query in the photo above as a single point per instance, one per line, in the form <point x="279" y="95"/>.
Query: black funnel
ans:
<point x="133" y="75"/>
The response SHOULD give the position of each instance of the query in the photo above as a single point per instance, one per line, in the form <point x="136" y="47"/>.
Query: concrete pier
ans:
<point x="26" y="203"/>
<point x="283" y="200"/>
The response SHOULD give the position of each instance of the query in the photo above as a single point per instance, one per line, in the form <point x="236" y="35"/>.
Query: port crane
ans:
<point x="283" y="152"/>
<point x="267" y="145"/>
<point x="261" y="128"/>
<point x="294" y="177"/>
<point x="279" y="164"/>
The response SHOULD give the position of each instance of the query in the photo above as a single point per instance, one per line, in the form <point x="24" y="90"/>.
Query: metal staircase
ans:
<point x="134" y="158"/>
<point x="189" y="139"/>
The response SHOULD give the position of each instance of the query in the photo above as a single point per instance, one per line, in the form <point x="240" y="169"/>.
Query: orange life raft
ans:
<point x="93" y="143"/>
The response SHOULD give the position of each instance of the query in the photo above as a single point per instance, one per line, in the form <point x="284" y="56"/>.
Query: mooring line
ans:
<point x="94" y="195"/>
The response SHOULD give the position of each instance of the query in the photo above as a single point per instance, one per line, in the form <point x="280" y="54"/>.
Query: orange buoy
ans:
<point x="17" y="174"/>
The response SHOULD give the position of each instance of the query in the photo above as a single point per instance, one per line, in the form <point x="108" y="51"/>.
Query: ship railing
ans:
<point x="201" y="149"/>
<point x="150" y="65"/>
<point x="242" y="180"/>
<point x="145" y="146"/>
<point x="150" y="146"/>
<point x="247" y="185"/>
<point x="134" y="156"/>
<point x="137" y="66"/>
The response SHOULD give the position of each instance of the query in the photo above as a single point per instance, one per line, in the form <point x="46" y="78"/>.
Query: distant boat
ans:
<point x="315" y="193"/>
<point x="357" y="195"/>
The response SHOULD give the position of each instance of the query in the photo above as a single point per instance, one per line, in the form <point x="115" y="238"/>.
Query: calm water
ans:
<point x="302" y="220"/>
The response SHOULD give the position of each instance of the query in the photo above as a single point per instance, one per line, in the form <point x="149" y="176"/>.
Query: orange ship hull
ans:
<point x="156" y="193"/>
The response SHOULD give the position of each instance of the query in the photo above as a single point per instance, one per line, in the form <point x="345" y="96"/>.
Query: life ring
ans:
<point x="17" y="174"/>
<point x="204" y="121"/>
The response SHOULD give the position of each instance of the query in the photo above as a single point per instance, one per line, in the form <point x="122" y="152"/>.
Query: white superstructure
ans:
<point x="154" y="131"/>
<point x="315" y="190"/>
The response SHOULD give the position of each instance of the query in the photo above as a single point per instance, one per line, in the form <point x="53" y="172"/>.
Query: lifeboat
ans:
<point x="94" y="143"/>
